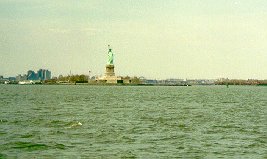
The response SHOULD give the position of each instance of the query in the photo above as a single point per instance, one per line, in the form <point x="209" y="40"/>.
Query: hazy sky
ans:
<point x="151" y="38"/>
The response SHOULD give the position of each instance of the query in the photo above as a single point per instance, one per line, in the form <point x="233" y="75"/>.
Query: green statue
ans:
<point x="110" y="56"/>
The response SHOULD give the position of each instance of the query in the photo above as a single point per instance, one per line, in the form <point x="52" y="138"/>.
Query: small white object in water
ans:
<point x="75" y="125"/>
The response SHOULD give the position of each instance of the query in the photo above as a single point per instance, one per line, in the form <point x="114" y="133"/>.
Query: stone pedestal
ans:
<point x="109" y="71"/>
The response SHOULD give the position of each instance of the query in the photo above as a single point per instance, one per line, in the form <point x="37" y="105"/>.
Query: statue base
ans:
<point x="109" y="71"/>
<point x="110" y="78"/>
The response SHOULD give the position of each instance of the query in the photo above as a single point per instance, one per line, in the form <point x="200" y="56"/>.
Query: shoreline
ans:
<point x="102" y="84"/>
<point x="128" y="84"/>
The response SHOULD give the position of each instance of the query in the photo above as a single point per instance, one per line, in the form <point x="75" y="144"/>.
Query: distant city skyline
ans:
<point x="156" y="39"/>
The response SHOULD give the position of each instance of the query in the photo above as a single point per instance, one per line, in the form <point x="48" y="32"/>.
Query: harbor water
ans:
<point x="82" y="121"/>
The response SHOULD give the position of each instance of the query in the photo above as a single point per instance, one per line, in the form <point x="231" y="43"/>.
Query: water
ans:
<point x="41" y="121"/>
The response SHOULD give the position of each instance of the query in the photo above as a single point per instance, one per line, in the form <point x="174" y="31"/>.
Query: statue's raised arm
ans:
<point x="110" y="56"/>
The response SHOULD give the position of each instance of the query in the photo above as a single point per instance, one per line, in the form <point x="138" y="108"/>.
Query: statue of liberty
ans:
<point x="110" y="64"/>
<point x="110" y="56"/>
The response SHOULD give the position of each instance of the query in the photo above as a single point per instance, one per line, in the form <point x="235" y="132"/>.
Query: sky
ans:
<point x="196" y="39"/>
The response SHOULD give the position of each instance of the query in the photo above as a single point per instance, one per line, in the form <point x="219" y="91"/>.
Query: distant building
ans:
<point x="47" y="75"/>
<point x="31" y="75"/>
<point x="12" y="78"/>
<point x="21" y="77"/>
<point x="150" y="81"/>
<point x="41" y="74"/>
